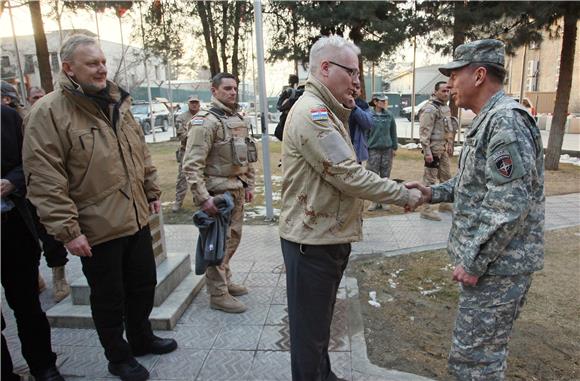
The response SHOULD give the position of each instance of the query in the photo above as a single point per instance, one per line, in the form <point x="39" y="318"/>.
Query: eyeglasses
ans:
<point x="354" y="73"/>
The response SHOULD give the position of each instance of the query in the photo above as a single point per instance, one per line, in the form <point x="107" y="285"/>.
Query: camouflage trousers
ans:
<point x="483" y="326"/>
<point x="443" y="173"/>
<point x="181" y="185"/>
<point x="381" y="161"/>
<point x="219" y="277"/>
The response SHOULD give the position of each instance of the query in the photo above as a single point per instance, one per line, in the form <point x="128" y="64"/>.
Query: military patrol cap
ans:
<point x="380" y="97"/>
<point x="193" y="98"/>
<point x="480" y="51"/>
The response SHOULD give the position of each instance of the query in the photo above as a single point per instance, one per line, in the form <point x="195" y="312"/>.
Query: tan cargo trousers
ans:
<point x="218" y="277"/>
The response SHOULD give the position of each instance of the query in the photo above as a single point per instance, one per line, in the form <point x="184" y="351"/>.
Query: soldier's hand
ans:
<point x="155" y="206"/>
<point x="79" y="247"/>
<point x="428" y="158"/>
<point x="426" y="192"/>
<point x="209" y="207"/>
<point x="450" y="149"/>
<point x="415" y="199"/>
<point x="460" y="275"/>
<point x="6" y="187"/>
<point x="249" y="195"/>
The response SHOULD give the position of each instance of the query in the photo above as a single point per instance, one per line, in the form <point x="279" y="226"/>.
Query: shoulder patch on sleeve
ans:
<point x="319" y="114"/>
<point x="335" y="148"/>
<point x="197" y="121"/>
<point x="504" y="158"/>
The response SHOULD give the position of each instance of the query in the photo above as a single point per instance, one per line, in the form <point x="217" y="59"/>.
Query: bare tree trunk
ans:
<point x="563" y="93"/>
<point x="459" y="28"/>
<point x="235" y="49"/>
<point x="224" y="36"/>
<point x="41" y="47"/>
<point x="212" y="58"/>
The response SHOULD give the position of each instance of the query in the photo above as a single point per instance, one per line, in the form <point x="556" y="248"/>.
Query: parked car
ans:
<point x="466" y="115"/>
<point x="142" y="114"/>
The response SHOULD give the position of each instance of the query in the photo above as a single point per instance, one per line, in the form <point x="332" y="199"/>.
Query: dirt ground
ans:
<point x="407" y="166"/>
<point x="411" y="331"/>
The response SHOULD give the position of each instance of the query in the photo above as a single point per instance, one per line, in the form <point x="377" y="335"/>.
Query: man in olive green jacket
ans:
<point x="90" y="176"/>
<point x="322" y="203"/>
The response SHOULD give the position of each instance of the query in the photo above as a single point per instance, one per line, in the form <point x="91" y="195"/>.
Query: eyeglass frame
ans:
<point x="354" y="73"/>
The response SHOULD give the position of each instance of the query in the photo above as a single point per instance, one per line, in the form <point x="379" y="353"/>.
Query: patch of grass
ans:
<point x="408" y="166"/>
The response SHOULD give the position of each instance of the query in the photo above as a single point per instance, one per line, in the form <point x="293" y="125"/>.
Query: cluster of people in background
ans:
<point x="82" y="176"/>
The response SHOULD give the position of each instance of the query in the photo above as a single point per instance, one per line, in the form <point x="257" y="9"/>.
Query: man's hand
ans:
<point x="79" y="246"/>
<point x="460" y="275"/>
<point x="209" y="207"/>
<point x="155" y="206"/>
<point x="393" y="153"/>
<point x="6" y="187"/>
<point x="350" y="103"/>
<point x="249" y="195"/>
<point x="428" y="158"/>
<point x="450" y="149"/>
<point x="415" y="199"/>
<point x="426" y="192"/>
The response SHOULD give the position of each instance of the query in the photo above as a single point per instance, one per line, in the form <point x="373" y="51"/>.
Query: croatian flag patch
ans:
<point x="318" y="114"/>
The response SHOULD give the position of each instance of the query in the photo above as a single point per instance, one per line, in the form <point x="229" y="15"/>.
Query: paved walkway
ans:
<point x="254" y="345"/>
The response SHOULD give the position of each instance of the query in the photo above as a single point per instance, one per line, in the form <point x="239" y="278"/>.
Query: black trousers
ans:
<point x="20" y="259"/>
<point x="122" y="278"/>
<point x="54" y="251"/>
<point x="313" y="274"/>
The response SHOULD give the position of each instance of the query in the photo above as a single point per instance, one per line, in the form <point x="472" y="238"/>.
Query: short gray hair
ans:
<point x="327" y="47"/>
<point x="69" y="46"/>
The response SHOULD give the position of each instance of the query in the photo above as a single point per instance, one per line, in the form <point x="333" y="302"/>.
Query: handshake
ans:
<point x="418" y="194"/>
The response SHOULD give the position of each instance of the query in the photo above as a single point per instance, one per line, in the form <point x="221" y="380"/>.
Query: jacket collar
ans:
<point x="76" y="94"/>
<point x="216" y="103"/>
<point x="436" y="100"/>
<point x="314" y="86"/>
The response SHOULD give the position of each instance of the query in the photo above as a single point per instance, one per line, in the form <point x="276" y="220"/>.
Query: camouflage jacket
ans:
<point x="206" y="133"/>
<point x="434" y="121"/>
<point x="498" y="193"/>
<point x="322" y="182"/>
<point x="182" y="122"/>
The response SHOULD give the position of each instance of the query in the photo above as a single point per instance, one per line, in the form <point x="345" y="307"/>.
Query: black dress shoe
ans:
<point x="129" y="370"/>
<point x="158" y="346"/>
<point x="49" y="374"/>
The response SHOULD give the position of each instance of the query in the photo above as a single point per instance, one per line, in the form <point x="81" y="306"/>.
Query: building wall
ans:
<point x="546" y="58"/>
<point x="135" y="72"/>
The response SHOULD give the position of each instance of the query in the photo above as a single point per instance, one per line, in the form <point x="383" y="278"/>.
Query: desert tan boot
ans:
<point x="374" y="206"/>
<point x="446" y="207"/>
<point x="233" y="288"/>
<point x="226" y="303"/>
<point x="429" y="214"/>
<point x="59" y="283"/>
<point x="176" y="207"/>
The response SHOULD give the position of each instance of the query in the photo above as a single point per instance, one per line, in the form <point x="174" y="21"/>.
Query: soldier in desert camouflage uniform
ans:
<point x="182" y="129"/>
<point x="435" y="124"/>
<point x="219" y="158"/>
<point x="497" y="235"/>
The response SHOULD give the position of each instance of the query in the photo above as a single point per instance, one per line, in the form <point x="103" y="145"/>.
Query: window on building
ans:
<point x="157" y="72"/>
<point x="54" y="63"/>
<point x="28" y="64"/>
<point x="5" y="61"/>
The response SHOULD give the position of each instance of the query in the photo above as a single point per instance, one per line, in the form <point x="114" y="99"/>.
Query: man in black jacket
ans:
<point x="20" y="259"/>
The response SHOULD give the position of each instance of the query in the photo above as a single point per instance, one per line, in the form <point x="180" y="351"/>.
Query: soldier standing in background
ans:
<point x="219" y="158"/>
<point x="497" y="234"/>
<point x="182" y="120"/>
<point x="435" y="123"/>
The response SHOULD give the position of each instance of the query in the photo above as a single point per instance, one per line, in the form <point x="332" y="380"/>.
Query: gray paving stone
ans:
<point x="244" y="337"/>
<point x="275" y="338"/>
<point x="262" y="279"/>
<point x="193" y="336"/>
<point x="278" y="314"/>
<point x="227" y="365"/>
<point x="183" y="364"/>
<point x="272" y="365"/>
<point x="280" y="296"/>
<point x="257" y="295"/>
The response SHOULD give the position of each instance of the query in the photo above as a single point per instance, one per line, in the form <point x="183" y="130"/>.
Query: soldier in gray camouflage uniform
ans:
<point x="497" y="235"/>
